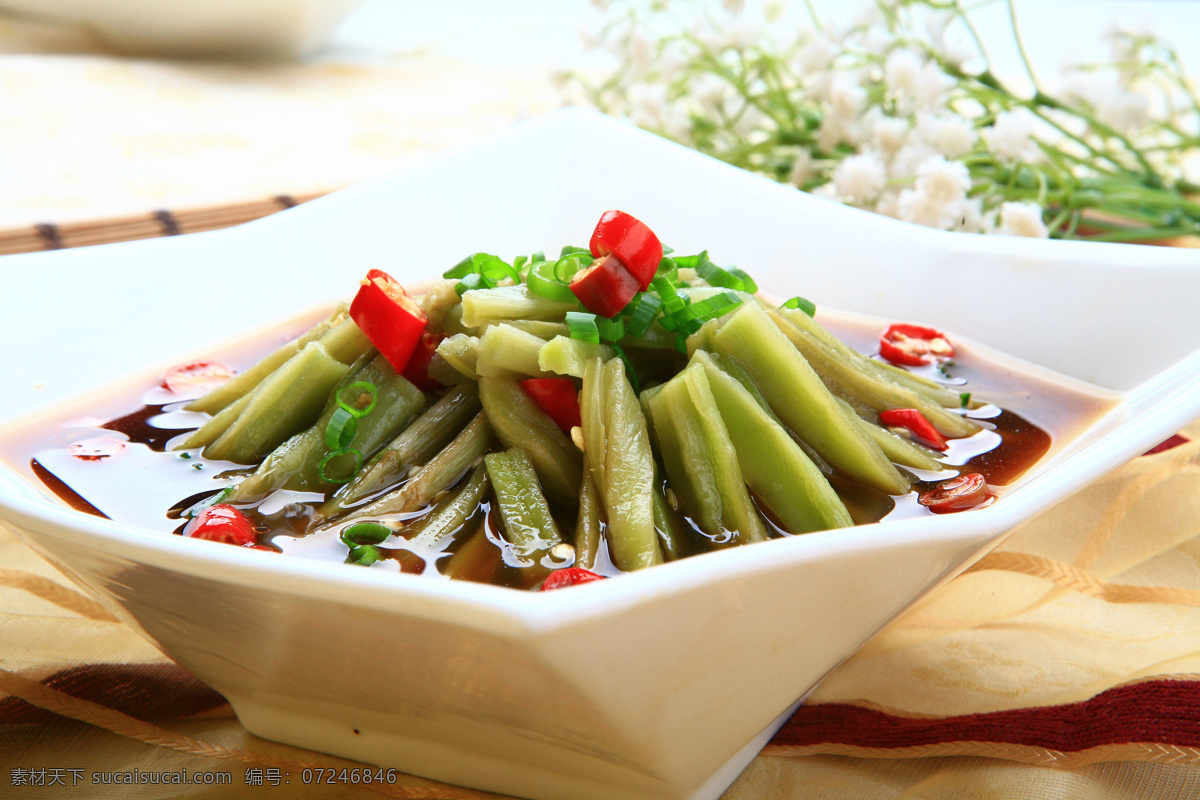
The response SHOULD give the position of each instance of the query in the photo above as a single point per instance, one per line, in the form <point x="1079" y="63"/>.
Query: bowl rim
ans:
<point x="519" y="613"/>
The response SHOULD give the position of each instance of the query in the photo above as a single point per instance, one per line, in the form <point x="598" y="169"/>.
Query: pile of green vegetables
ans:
<point x="707" y="419"/>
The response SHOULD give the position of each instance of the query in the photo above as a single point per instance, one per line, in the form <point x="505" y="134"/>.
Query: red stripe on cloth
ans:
<point x="1168" y="444"/>
<point x="150" y="692"/>
<point x="1163" y="712"/>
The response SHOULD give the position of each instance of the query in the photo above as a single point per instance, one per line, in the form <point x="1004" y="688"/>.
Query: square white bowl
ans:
<point x="661" y="684"/>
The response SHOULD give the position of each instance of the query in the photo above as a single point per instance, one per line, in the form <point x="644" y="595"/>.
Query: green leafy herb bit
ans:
<point x="964" y="399"/>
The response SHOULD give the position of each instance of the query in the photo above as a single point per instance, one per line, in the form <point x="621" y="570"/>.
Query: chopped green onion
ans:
<point x="566" y="267"/>
<point x="543" y="282"/>
<point x="211" y="500"/>
<point x="536" y="257"/>
<point x="462" y="269"/>
<point x="641" y="312"/>
<point x="571" y="250"/>
<point x="630" y="372"/>
<point x="582" y="326"/>
<point x="365" y="533"/>
<point x="748" y="284"/>
<point x="519" y="262"/>
<point x="668" y="269"/>
<point x="665" y="287"/>
<point x="713" y="307"/>
<point x="469" y="282"/>
<point x="964" y="399"/>
<point x="807" y="306"/>
<point x="494" y="271"/>
<point x="361" y="386"/>
<point x="364" y="555"/>
<point x="340" y="431"/>
<point x="719" y="276"/>
<point x="610" y="330"/>
<point x="337" y="453"/>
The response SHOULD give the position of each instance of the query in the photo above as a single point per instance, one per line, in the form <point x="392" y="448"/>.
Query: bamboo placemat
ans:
<point x="49" y="236"/>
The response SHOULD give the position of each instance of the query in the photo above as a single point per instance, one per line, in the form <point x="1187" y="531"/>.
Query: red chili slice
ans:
<point x="630" y="240"/>
<point x="572" y="576"/>
<point x="417" y="370"/>
<point x="222" y="523"/>
<point x="914" y="345"/>
<point x="958" y="494"/>
<point x="922" y="429"/>
<point x="388" y="317"/>
<point x="558" y="397"/>
<point x="197" y="378"/>
<point x="605" y="287"/>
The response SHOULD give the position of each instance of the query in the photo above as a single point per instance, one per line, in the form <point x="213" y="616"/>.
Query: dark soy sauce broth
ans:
<point x="123" y="467"/>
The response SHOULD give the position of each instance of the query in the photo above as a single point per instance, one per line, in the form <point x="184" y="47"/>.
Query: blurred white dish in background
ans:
<point x="248" y="28"/>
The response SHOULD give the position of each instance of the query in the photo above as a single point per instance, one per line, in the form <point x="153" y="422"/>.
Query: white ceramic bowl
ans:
<point x="660" y="684"/>
<point x="271" y="28"/>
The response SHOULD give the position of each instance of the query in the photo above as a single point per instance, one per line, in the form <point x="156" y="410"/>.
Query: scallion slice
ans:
<point x="543" y="282"/>
<point x="362" y="387"/>
<point x="365" y="533"/>
<point x="340" y="431"/>
<point x="582" y="325"/>
<point x="805" y="305"/>
<point x="713" y="307"/>
<point x="337" y="454"/>
<point x="641" y="313"/>
<point x="364" y="555"/>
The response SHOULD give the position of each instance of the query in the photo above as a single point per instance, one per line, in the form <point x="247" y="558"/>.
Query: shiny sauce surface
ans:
<point x="119" y="464"/>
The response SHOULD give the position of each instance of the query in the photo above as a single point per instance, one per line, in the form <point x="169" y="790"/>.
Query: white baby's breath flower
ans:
<point x="677" y="123"/>
<point x="902" y="71"/>
<point x="878" y="39"/>
<point x="748" y="119"/>
<point x="846" y="97"/>
<point x="1022" y="219"/>
<point x="803" y="169"/>
<point x="943" y="181"/>
<point x="888" y="204"/>
<point x="647" y="105"/>
<point x="868" y="14"/>
<point x="859" y="179"/>
<point x="972" y="217"/>
<point x="710" y="92"/>
<point x="1128" y="112"/>
<point x="816" y="55"/>
<point x="887" y="133"/>
<point x="835" y="131"/>
<point x="826" y="191"/>
<point x="639" y="53"/>
<point x="909" y="158"/>
<point x="949" y="134"/>
<point x="932" y="85"/>
<point x="1011" y="137"/>
<point x="741" y="34"/>
<point x="918" y="207"/>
